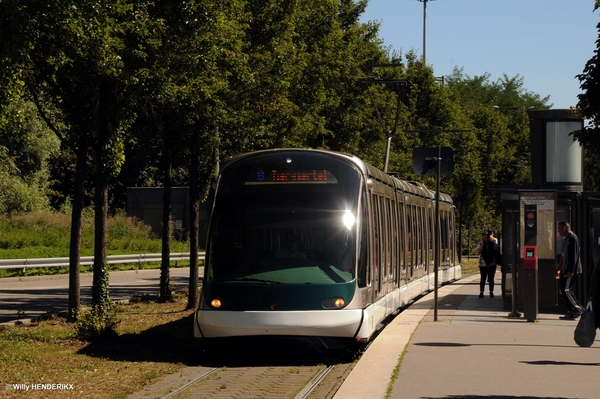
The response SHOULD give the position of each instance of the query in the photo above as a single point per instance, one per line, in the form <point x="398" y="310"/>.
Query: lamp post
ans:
<point x="442" y="158"/>
<point x="424" y="29"/>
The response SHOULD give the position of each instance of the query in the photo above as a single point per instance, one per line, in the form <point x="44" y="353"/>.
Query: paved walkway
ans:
<point x="474" y="350"/>
<point x="27" y="298"/>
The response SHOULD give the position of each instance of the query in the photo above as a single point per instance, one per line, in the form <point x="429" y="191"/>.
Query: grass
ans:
<point x="47" y="234"/>
<point x="153" y="339"/>
<point x="469" y="266"/>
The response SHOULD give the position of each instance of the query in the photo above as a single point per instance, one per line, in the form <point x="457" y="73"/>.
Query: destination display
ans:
<point x="275" y="176"/>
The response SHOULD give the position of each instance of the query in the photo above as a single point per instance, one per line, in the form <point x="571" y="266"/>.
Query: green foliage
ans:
<point x="96" y="322"/>
<point x="36" y="233"/>
<point x="46" y="234"/>
<point x="589" y="107"/>
<point x="101" y="320"/>
<point x="26" y="144"/>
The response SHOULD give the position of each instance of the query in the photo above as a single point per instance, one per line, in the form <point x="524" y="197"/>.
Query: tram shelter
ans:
<point x="530" y="214"/>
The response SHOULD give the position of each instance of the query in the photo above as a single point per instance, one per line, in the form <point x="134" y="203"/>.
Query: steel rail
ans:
<point x="314" y="382"/>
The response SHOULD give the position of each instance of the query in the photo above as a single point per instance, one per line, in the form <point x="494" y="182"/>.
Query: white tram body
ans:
<point x="317" y="245"/>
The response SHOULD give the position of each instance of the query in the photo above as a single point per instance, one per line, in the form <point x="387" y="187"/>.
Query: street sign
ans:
<point x="425" y="160"/>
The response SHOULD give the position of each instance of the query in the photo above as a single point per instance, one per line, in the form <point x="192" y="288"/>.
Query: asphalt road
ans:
<point x="30" y="297"/>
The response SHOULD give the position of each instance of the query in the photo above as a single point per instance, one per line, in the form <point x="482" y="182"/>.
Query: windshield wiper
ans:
<point x="259" y="280"/>
<point x="246" y="279"/>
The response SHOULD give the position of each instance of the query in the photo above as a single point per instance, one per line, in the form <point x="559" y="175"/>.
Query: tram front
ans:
<point x="282" y="248"/>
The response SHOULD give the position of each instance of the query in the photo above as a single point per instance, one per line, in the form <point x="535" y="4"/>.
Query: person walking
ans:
<point x="487" y="250"/>
<point x="569" y="268"/>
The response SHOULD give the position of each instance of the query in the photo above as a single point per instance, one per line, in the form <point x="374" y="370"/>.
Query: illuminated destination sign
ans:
<point x="274" y="176"/>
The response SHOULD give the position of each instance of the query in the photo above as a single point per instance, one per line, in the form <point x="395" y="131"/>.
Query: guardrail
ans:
<point x="89" y="260"/>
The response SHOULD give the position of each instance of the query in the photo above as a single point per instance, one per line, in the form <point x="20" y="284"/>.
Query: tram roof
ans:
<point x="406" y="186"/>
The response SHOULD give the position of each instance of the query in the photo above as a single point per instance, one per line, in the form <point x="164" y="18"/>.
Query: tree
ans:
<point x="84" y="59"/>
<point x="26" y="145"/>
<point x="499" y="154"/>
<point x="589" y="107"/>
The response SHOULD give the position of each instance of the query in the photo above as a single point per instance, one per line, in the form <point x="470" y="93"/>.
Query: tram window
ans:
<point x="394" y="225"/>
<point x="409" y="236"/>
<point x="444" y="243"/>
<point x="383" y="239"/>
<point x="420" y="259"/>
<point x="451" y="231"/>
<point x="424" y="235"/>
<point x="376" y="238"/>
<point x="388" y="238"/>
<point x="364" y="272"/>
<point x="401" y="237"/>
<point x="413" y="236"/>
<point x="417" y="222"/>
<point x="432" y="234"/>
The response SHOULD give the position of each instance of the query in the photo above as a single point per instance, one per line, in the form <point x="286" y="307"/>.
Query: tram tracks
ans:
<point x="289" y="381"/>
<point x="310" y="387"/>
<point x="190" y="383"/>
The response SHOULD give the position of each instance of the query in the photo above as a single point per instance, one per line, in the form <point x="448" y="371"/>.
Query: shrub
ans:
<point x="93" y="323"/>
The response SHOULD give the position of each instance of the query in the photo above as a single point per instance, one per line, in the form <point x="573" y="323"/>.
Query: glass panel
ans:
<point x="275" y="220"/>
<point x="563" y="154"/>
<point x="364" y="272"/>
<point x="402" y="237"/>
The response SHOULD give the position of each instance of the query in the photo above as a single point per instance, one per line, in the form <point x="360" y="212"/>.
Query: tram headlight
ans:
<point x="348" y="219"/>
<point x="333" y="303"/>
<point x="216" y="303"/>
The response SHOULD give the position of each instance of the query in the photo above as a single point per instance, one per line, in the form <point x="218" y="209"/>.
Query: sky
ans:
<point x="547" y="42"/>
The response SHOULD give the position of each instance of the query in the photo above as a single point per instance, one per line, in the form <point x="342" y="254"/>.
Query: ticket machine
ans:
<point x="530" y="283"/>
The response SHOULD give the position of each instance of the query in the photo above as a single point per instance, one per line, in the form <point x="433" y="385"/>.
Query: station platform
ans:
<point x="474" y="350"/>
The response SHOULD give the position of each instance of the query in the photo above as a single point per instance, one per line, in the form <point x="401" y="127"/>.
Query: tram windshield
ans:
<point x="287" y="217"/>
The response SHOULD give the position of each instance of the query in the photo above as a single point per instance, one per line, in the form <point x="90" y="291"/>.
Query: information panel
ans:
<point x="277" y="176"/>
<point x="538" y="222"/>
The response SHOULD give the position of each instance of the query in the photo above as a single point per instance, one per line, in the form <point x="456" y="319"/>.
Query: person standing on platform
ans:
<point x="492" y="236"/>
<point x="570" y="267"/>
<point x="487" y="250"/>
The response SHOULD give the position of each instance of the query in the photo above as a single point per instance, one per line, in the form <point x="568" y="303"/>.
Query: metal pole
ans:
<point x="436" y="263"/>
<point x="424" y="31"/>
<point x="515" y="258"/>
<point x="387" y="151"/>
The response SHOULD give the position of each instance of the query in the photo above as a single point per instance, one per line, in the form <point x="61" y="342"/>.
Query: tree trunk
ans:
<point x="194" y="230"/>
<point x="76" y="229"/>
<point x="165" y="291"/>
<point x="100" y="291"/>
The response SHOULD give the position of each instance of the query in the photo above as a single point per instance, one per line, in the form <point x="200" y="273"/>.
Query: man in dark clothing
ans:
<point x="570" y="267"/>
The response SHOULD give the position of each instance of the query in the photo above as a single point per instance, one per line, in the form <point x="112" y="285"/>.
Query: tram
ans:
<point x="316" y="247"/>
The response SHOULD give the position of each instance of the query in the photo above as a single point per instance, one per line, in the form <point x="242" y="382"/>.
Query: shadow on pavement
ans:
<point x="492" y="396"/>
